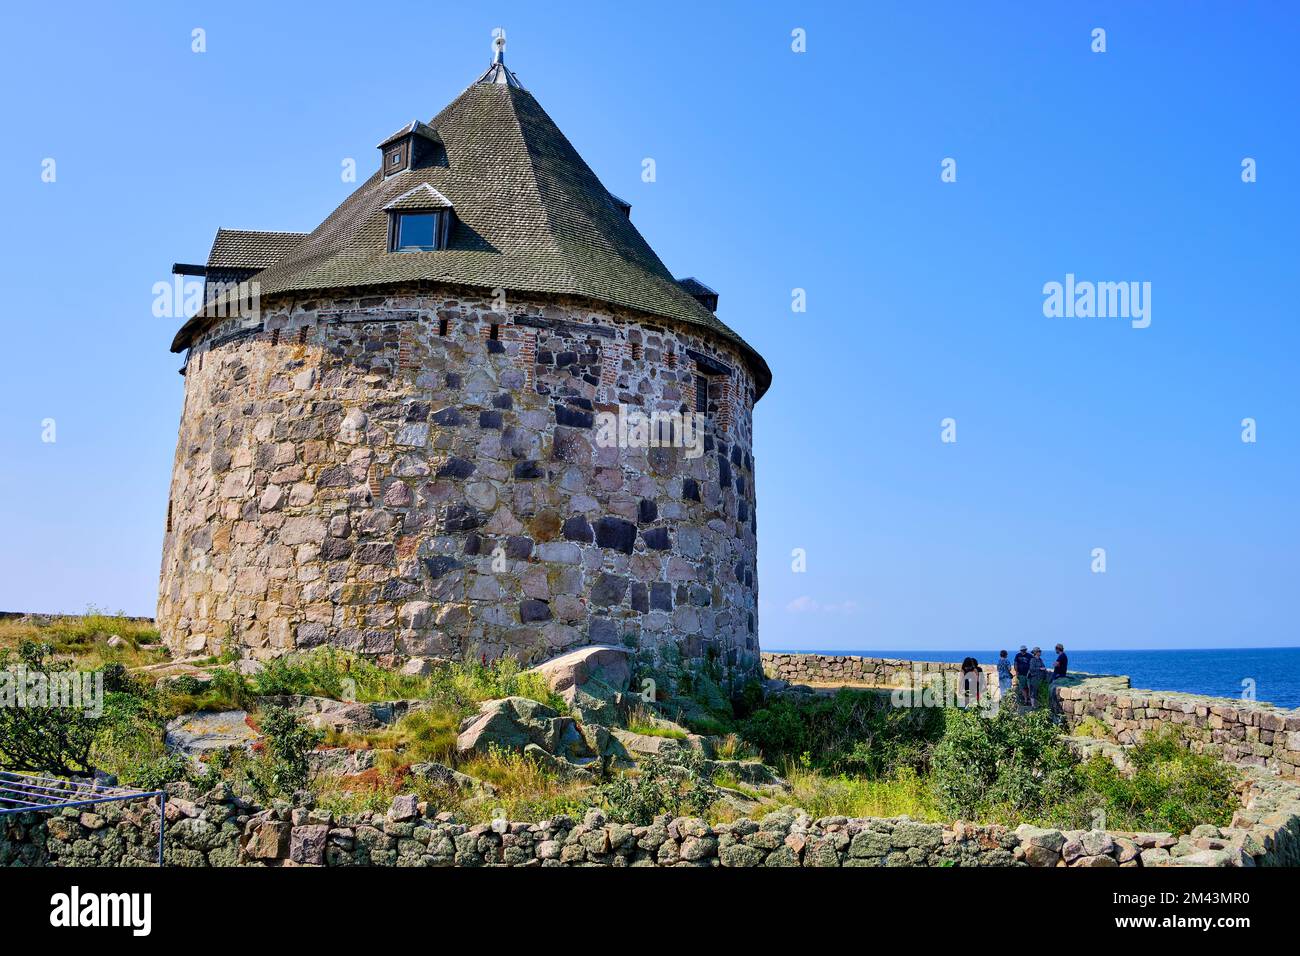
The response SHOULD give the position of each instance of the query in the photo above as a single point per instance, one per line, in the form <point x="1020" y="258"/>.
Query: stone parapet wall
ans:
<point x="217" y="829"/>
<point x="424" y="475"/>
<point x="1243" y="732"/>
<point x="843" y="669"/>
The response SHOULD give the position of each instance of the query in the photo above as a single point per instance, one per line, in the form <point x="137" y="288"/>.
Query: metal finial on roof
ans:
<point x="498" y="73"/>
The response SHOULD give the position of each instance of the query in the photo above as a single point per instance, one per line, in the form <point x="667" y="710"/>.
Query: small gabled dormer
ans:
<point x="622" y="205"/>
<point x="701" y="293"/>
<point x="419" y="220"/>
<point x="414" y="145"/>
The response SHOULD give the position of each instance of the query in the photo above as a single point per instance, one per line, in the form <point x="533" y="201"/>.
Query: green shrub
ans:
<point x="850" y="732"/>
<point x="43" y="739"/>
<point x="1167" y="787"/>
<point x="658" y="787"/>
<point x="987" y="764"/>
<point x="284" y="765"/>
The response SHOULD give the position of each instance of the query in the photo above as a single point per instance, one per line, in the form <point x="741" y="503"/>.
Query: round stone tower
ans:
<point x="471" y="413"/>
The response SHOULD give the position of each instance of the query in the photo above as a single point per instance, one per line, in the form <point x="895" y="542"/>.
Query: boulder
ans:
<point x="591" y="679"/>
<point x="515" y="722"/>
<point x="323" y="713"/>
<point x="443" y="776"/>
<point x="209" y="730"/>
<point x="646" y="744"/>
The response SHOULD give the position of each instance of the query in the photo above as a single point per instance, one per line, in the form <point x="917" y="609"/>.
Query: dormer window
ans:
<point x="419" y="220"/>
<point x="414" y="145"/>
<point x="418" y="231"/>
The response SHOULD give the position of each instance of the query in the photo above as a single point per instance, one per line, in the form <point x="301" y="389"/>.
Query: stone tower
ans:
<point x="460" y="418"/>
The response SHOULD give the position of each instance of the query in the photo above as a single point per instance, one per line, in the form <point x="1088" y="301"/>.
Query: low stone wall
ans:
<point x="837" y="669"/>
<point x="219" y="829"/>
<point x="1245" y="732"/>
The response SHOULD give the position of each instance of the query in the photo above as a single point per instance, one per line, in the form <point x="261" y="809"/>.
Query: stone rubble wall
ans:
<point x="843" y="669"/>
<point x="218" y="829"/>
<point x="419" y="475"/>
<point x="1245" y="732"/>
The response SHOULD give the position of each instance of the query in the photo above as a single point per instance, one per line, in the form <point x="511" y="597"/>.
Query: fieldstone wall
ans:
<point x="419" y="475"/>
<point x="843" y="669"/>
<point x="1245" y="732"/>
<point x="219" y="829"/>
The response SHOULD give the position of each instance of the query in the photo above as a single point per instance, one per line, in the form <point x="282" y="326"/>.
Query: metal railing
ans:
<point x="31" y="793"/>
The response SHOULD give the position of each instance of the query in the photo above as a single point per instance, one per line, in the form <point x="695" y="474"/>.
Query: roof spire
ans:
<point x="498" y="73"/>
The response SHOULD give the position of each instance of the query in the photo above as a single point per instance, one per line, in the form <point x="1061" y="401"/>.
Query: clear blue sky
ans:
<point x="776" y="170"/>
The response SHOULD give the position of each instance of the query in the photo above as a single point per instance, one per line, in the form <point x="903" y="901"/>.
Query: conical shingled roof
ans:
<point x="530" y="216"/>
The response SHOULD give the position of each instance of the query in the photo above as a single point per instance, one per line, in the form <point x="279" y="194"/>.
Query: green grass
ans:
<point x="641" y="721"/>
<point x="84" y="639"/>
<point x="422" y="736"/>
<point x="326" y="672"/>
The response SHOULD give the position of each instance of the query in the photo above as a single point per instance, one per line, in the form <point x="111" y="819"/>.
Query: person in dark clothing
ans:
<point x="1021" y="665"/>
<point x="1062" y="663"/>
<point x="1037" y="675"/>
<point x="972" y="679"/>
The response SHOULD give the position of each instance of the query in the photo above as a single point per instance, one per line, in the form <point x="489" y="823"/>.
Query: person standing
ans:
<point x="1021" y="665"/>
<point x="1004" y="674"/>
<point x="1062" y="663"/>
<point x="972" y="682"/>
<point x="1037" y="675"/>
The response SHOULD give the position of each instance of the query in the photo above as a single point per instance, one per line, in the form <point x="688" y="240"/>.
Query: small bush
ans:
<point x="1006" y="760"/>
<point x="45" y="739"/>
<point x="851" y="732"/>
<point x="658" y="786"/>
<point x="284" y="765"/>
<point x="1167" y="787"/>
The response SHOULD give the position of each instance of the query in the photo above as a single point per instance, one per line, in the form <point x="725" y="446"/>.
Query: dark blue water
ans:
<point x="1275" y="671"/>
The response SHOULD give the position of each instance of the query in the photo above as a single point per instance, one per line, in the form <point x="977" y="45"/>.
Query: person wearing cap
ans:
<point x="1062" y="664"/>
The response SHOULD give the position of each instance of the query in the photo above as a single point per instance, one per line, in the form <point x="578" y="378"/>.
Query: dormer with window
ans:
<point x="419" y="220"/>
<point x="414" y="145"/>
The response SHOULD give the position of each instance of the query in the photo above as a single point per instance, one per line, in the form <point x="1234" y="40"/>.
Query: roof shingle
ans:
<point x="530" y="216"/>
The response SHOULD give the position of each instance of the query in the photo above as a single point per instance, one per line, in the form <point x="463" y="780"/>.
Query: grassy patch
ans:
<point x="422" y="736"/>
<point x="526" y="790"/>
<point x="84" y="639"/>
<point x="642" y="721"/>
<point x="326" y="672"/>
<point x="905" y="792"/>
<point x="1168" y="787"/>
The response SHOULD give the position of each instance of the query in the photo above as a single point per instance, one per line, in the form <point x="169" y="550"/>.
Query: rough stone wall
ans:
<point x="843" y="669"/>
<point x="419" y="475"/>
<point x="1245" y="732"/>
<point x="218" y="829"/>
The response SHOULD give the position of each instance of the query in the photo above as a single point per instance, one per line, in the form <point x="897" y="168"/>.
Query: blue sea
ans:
<point x="1275" y="671"/>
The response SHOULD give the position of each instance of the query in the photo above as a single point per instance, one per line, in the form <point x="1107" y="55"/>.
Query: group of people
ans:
<point x="1028" y="672"/>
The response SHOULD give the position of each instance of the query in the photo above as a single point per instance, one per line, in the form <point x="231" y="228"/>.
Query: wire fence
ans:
<point x="32" y="793"/>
